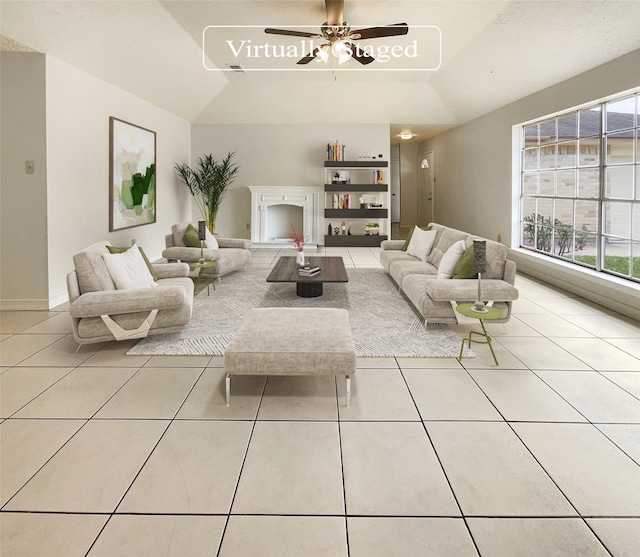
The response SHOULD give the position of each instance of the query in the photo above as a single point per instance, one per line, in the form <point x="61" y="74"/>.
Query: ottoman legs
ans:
<point x="228" y="388"/>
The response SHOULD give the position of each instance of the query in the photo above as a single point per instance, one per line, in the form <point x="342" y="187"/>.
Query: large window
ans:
<point x="580" y="186"/>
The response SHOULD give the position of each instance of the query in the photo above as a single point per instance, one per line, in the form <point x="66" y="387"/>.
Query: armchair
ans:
<point x="230" y="255"/>
<point x="100" y="313"/>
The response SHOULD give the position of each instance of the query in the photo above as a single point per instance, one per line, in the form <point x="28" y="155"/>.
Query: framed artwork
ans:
<point x="132" y="175"/>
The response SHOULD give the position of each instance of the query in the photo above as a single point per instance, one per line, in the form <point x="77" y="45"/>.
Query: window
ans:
<point x="580" y="186"/>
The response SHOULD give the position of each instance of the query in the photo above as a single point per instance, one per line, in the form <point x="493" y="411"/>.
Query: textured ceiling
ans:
<point x="492" y="53"/>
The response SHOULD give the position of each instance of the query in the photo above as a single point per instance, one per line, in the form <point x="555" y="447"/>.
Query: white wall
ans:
<point x="278" y="155"/>
<point x="23" y="217"/>
<point x="74" y="206"/>
<point x="408" y="185"/>
<point x="474" y="170"/>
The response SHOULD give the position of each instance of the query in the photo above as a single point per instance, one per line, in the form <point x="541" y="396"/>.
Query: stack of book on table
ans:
<point x="308" y="271"/>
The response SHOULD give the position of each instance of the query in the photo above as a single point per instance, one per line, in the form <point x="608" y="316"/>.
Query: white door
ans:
<point x="426" y="185"/>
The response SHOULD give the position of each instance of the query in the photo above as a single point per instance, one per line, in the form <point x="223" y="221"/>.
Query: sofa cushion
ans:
<point x="448" y="237"/>
<point x="210" y="240"/>
<point x="401" y="268"/>
<point x="421" y="243"/>
<point x="178" y="230"/>
<point x="191" y="238"/>
<point x="435" y="257"/>
<point x="450" y="259"/>
<point x="467" y="290"/>
<point x="93" y="275"/>
<point x="464" y="267"/>
<point x="115" y="249"/>
<point x="410" y="235"/>
<point x="128" y="269"/>
<point x="496" y="259"/>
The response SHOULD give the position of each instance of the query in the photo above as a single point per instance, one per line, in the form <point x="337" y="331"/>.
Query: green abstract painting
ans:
<point x="132" y="175"/>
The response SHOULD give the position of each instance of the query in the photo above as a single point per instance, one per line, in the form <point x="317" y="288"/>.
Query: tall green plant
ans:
<point x="208" y="183"/>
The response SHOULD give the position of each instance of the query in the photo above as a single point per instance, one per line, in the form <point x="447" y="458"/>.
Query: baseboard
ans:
<point x="24" y="305"/>
<point x="611" y="292"/>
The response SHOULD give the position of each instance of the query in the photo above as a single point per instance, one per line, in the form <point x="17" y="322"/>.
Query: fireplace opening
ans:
<point x="280" y="218"/>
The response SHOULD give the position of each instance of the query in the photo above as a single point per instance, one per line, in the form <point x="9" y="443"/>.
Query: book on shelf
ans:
<point x="335" y="151"/>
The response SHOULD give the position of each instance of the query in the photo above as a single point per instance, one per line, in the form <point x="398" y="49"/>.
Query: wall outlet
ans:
<point x="28" y="167"/>
<point x="499" y="238"/>
<point x="248" y="226"/>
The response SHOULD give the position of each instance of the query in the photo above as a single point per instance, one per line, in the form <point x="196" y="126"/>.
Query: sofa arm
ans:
<point x="170" y="270"/>
<point x="115" y="302"/>
<point x="466" y="290"/>
<point x="392" y="244"/>
<point x="190" y="254"/>
<point x="241" y="243"/>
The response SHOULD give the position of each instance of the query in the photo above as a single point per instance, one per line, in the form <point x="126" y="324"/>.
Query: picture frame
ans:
<point x="132" y="175"/>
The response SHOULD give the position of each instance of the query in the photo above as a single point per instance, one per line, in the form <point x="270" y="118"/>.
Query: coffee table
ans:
<point x="331" y="270"/>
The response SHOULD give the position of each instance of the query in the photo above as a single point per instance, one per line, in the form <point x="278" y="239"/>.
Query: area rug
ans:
<point x="383" y="322"/>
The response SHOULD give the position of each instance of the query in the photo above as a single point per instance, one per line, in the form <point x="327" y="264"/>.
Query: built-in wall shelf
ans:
<point x="347" y="214"/>
<point x="356" y="240"/>
<point x="355" y="187"/>
<point x="373" y="163"/>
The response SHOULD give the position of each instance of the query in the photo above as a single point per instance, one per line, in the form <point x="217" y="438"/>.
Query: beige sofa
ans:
<point x="95" y="304"/>
<point x="432" y="296"/>
<point x="232" y="253"/>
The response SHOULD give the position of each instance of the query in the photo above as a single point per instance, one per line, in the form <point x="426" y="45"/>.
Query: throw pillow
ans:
<point x="421" y="243"/>
<point x="210" y="241"/>
<point x="128" y="269"/>
<point x="435" y="257"/>
<point x="191" y="237"/>
<point x="114" y="249"/>
<point x="406" y="242"/>
<point x="450" y="259"/>
<point x="464" y="267"/>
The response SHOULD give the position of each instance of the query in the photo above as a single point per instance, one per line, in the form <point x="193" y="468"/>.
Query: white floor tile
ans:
<point x="19" y="385"/>
<point x="492" y="473"/>
<point x="391" y="469"/>
<point x="596" y="476"/>
<point x="299" y="398"/>
<point x="619" y="535"/>
<point x="540" y="353"/>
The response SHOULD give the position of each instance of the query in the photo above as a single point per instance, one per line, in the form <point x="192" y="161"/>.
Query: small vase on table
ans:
<point x="300" y="258"/>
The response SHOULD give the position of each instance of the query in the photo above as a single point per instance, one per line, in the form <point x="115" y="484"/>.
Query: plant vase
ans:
<point x="300" y="258"/>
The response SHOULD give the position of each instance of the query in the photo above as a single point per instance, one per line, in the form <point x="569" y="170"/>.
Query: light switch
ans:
<point x="28" y="167"/>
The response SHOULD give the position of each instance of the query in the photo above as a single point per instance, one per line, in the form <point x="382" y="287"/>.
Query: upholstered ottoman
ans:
<point x="292" y="341"/>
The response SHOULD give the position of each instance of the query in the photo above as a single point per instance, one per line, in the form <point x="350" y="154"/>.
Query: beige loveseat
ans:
<point x="95" y="303"/>
<point x="433" y="296"/>
<point x="231" y="254"/>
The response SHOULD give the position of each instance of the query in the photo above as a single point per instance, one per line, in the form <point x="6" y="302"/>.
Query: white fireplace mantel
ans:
<point x="308" y="198"/>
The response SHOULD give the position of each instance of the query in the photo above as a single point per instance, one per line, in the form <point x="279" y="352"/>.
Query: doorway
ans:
<point x="426" y="188"/>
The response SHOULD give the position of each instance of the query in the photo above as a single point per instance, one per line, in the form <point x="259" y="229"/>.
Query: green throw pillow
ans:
<point x="114" y="249"/>
<point x="464" y="267"/>
<point x="191" y="239"/>
<point x="406" y="242"/>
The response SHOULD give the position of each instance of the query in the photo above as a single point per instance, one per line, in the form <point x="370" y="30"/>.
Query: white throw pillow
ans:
<point x="421" y="243"/>
<point x="450" y="259"/>
<point x="128" y="269"/>
<point x="210" y="240"/>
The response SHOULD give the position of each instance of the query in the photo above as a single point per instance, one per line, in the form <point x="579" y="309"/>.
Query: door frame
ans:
<point x="427" y="193"/>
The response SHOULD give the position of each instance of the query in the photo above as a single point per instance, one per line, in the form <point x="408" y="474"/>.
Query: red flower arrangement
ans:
<point x="298" y="240"/>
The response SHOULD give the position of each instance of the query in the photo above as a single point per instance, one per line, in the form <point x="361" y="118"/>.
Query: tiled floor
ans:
<point x="113" y="455"/>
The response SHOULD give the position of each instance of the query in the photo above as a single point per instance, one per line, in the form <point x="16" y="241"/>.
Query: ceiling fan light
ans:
<point x="323" y="53"/>
<point x="341" y="51"/>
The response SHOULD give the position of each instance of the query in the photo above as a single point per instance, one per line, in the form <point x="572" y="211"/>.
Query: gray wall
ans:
<point x="63" y="125"/>
<point x="23" y="197"/>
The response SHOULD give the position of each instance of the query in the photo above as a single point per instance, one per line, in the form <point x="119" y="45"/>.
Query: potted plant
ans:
<point x="208" y="184"/>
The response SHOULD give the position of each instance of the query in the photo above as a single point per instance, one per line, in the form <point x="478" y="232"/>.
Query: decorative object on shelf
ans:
<point x="208" y="184"/>
<point x="132" y="165"/>
<point x="344" y="228"/>
<point x="479" y="266"/>
<point x="336" y="230"/>
<point x="329" y="229"/>
<point x="202" y="236"/>
<point x="372" y="229"/>
<point x="349" y="230"/>
<point x="298" y="240"/>
<point x="379" y="176"/>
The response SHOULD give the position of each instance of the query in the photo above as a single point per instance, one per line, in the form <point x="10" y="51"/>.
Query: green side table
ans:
<point x="492" y="313"/>
<point x="204" y="279"/>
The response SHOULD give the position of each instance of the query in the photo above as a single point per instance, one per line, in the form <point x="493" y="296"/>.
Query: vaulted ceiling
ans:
<point x="490" y="54"/>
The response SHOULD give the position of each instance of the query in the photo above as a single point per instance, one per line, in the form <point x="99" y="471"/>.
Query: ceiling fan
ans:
<point x="340" y="36"/>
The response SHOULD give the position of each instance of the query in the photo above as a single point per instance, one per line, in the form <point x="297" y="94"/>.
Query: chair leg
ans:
<point x="228" y="388"/>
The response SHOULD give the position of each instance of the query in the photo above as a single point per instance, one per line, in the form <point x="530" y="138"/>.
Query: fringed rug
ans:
<point x="383" y="322"/>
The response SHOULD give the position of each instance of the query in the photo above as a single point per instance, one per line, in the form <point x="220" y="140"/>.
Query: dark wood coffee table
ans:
<point x="331" y="270"/>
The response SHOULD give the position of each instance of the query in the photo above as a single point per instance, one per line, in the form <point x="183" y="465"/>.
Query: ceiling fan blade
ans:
<point x="309" y="57"/>
<point x="383" y="31"/>
<point x="335" y="12"/>
<point x="359" y="55"/>
<point x="290" y="33"/>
